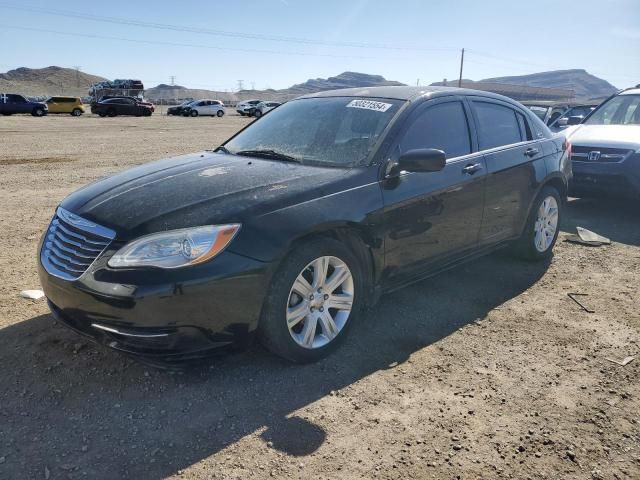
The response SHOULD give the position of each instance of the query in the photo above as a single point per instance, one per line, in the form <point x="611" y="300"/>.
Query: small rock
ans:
<point x="3" y="459"/>
<point x="521" y="448"/>
<point x="571" y="455"/>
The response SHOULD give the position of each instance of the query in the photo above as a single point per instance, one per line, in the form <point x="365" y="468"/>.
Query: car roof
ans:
<point x="405" y="93"/>
<point x="631" y="91"/>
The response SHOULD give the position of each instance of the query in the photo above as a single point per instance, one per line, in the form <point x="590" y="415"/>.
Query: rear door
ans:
<point x="434" y="217"/>
<point x="513" y="158"/>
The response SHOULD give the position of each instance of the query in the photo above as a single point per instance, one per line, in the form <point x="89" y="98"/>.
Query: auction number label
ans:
<point x="370" y="105"/>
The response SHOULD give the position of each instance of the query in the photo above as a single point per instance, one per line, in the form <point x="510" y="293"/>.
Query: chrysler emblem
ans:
<point x="594" y="156"/>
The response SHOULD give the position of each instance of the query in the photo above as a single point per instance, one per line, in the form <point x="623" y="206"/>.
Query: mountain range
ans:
<point x="65" y="81"/>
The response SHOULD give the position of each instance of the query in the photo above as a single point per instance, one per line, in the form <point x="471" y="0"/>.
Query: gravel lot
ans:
<point x="486" y="371"/>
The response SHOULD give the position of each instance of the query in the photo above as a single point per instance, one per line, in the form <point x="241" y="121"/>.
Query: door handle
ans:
<point x="531" y="152"/>
<point x="472" y="168"/>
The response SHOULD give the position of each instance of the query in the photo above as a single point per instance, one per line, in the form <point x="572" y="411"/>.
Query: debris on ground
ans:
<point x="587" y="237"/>
<point x="625" y="361"/>
<point x="572" y="297"/>
<point x="32" y="294"/>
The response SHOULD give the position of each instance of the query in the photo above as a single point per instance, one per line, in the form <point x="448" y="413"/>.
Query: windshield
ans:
<point x="337" y="131"/>
<point x="620" y="110"/>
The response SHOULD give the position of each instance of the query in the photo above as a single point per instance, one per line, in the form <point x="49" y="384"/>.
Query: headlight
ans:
<point x="175" y="248"/>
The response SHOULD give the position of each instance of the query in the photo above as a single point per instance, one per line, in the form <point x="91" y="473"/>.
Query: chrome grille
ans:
<point x="72" y="244"/>
<point x="599" y="154"/>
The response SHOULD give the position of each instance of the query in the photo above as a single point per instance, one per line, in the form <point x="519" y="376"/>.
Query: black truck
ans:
<point x="11" y="103"/>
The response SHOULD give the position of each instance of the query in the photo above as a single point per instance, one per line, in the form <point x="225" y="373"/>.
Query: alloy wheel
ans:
<point x="320" y="302"/>
<point x="546" y="224"/>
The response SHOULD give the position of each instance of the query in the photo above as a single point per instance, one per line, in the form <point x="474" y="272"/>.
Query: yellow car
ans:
<point x="72" y="105"/>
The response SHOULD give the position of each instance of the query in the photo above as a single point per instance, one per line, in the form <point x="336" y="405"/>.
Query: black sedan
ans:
<point x="122" y="106"/>
<point x="301" y="220"/>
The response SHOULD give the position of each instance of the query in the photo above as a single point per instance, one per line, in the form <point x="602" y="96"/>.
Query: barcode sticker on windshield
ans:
<point x="369" y="105"/>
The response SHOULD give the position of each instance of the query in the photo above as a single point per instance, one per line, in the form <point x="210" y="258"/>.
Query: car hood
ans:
<point x="202" y="189"/>
<point x="616" y="136"/>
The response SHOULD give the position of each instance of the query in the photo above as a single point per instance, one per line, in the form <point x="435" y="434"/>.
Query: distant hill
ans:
<point x="583" y="83"/>
<point x="344" y="80"/>
<point x="47" y="81"/>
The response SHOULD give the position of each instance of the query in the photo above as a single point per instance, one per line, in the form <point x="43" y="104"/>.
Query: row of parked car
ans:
<point x="556" y="115"/>
<point x="108" y="106"/>
<point x="195" y="108"/>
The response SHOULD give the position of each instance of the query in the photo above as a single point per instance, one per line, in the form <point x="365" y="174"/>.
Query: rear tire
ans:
<point x="220" y="114"/>
<point x="542" y="228"/>
<point x="296" y="326"/>
<point x="76" y="112"/>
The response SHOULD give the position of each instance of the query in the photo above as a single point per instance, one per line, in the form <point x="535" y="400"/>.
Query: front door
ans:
<point x="434" y="217"/>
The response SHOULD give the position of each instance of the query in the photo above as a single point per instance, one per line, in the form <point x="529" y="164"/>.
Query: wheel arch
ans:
<point x="358" y="240"/>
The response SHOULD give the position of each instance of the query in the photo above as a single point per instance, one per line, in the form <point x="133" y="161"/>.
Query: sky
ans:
<point x="277" y="43"/>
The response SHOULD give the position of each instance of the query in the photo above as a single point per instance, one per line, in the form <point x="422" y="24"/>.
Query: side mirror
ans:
<point x="575" y="120"/>
<point x="422" y="160"/>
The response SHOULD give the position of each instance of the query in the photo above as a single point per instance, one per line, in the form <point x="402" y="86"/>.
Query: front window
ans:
<point x="620" y="110"/>
<point x="335" y="131"/>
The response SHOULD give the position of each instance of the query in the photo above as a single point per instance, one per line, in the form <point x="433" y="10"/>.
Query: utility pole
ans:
<point x="240" y="85"/>
<point x="77" y="67"/>
<point x="173" y="80"/>
<point x="417" y="82"/>
<point x="461" y="65"/>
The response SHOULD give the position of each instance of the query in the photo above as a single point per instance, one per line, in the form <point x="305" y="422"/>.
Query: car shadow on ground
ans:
<point x="71" y="407"/>
<point x="617" y="219"/>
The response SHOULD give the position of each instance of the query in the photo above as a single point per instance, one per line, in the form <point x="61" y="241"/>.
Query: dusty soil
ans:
<point x="486" y="371"/>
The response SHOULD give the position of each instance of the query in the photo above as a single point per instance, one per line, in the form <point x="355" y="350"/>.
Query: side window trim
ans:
<point x="473" y="99"/>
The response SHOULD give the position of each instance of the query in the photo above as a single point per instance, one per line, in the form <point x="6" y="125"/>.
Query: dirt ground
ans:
<point x="486" y="371"/>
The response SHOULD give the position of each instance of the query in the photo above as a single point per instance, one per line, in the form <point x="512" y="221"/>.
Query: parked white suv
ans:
<point x="204" y="107"/>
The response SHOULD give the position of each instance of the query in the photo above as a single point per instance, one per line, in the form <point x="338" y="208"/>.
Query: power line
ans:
<point x="222" y="33"/>
<point x="191" y="45"/>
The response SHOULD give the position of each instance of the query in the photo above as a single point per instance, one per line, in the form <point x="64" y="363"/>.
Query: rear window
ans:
<point x="540" y="112"/>
<point x="497" y="125"/>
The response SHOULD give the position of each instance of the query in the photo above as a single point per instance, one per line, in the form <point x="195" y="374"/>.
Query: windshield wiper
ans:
<point x="270" y="154"/>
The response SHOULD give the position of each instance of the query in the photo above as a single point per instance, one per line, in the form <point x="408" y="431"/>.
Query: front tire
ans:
<point x="257" y="114"/>
<point x="315" y="297"/>
<point x="542" y="228"/>
<point x="38" y="112"/>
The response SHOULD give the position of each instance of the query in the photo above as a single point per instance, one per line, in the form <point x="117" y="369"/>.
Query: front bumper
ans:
<point x="163" y="315"/>
<point x="604" y="178"/>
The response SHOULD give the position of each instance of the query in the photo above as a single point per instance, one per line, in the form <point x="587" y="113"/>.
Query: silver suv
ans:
<point x="605" y="148"/>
